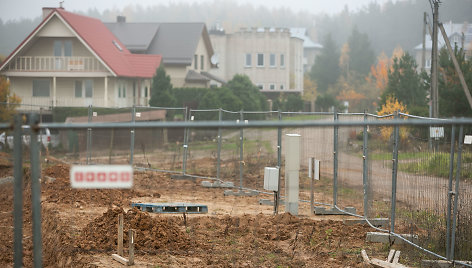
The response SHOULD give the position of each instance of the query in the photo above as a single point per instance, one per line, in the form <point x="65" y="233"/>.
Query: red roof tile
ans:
<point x="109" y="48"/>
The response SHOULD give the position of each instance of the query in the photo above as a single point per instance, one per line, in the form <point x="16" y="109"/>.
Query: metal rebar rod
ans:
<point x="35" y="191"/>
<point x="450" y="193"/>
<point x="18" y="193"/>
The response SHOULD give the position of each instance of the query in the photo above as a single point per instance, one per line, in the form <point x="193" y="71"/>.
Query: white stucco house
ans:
<point x="74" y="60"/>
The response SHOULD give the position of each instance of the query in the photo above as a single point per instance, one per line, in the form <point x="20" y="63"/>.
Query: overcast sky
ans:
<point x="17" y="9"/>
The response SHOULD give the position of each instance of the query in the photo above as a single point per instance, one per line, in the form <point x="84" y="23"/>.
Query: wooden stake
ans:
<point x="131" y="246"/>
<point x="120" y="234"/>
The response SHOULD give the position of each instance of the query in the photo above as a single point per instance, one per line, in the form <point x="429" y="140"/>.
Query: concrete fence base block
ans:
<point x="269" y="202"/>
<point x="217" y="184"/>
<point x="377" y="222"/>
<point x="378" y="237"/>
<point x="442" y="264"/>
<point x="182" y="177"/>
<point x="241" y="193"/>
<point x="334" y="211"/>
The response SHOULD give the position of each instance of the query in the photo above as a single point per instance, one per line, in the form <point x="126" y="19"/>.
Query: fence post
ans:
<point x="184" y="160"/>
<point x="456" y="193"/>
<point x="35" y="190"/>
<point x="335" y="161"/>
<point x="364" y="168"/>
<point x="241" y="150"/>
<point x="394" y="175"/>
<point x="218" y="164"/>
<point x="89" y="136"/>
<point x="279" y="162"/>
<point x="450" y="193"/>
<point x="18" y="193"/>
<point x="133" y="120"/>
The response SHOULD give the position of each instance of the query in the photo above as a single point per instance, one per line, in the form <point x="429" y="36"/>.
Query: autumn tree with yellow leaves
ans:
<point x="8" y="102"/>
<point x="391" y="106"/>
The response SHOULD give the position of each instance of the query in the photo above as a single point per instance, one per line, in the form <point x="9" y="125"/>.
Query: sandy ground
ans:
<point x="79" y="227"/>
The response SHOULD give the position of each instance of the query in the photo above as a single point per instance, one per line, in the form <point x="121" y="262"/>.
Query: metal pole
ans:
<point x="133" y="120"/>
<point x="394" y="175"/>
<point x="218" y="164"/>
<point x="449" y="194"/>
<point x="279" y="163"/>
<point x="365" y="169"/>
<point x="184" y="161"/>
<point x="312" y="185"/>
<point x="456" y="193"/>
<point x="241" y="151"/>
<point x="434" y="61"/>
<point x="89" y="136"/>
<point x="335" y="160"/>
<point x="35" y="191"/>
<point x="18" y="193"/>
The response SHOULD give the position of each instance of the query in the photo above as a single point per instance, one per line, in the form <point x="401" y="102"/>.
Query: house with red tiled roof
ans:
<point x="74" y="60"/>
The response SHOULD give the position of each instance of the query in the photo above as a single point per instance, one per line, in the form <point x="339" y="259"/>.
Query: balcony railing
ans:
<point x="55" y="64"/>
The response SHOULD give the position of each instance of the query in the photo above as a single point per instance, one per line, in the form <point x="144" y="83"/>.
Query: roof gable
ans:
<point x="100" y="42"/>
<point x="176" y="42"/>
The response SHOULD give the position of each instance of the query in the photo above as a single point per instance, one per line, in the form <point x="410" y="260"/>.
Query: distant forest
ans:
<point x="387" y="26"/>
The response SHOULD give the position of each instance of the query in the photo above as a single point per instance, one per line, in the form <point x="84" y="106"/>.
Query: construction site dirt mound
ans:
<point x="153" y="234"/>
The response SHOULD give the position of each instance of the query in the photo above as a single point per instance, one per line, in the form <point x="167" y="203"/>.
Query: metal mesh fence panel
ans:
<point x="350" y="164"/>
<point x="379" y="163"/>
<point x="316" y="142"/>
<point x="201" y="159"/>
<point x="158" y="149"/>
<point x="463" y="233"/>
<point x="422" y="186"/>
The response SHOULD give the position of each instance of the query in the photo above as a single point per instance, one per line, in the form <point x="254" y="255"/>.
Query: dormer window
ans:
<point x="117" y="45"/>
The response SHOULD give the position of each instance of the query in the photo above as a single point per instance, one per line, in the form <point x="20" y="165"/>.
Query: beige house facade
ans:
<point x="271" y="57"/>
<point x="73" y="60"/>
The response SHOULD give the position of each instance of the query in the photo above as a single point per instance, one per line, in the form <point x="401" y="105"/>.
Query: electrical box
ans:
<point x="271" y="179"/>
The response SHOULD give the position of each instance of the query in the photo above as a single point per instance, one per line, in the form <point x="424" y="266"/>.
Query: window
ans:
<point x="41" y="87"/>
<point x="260" y="86"/>
<point x="121" y="90"/>
<point x="282" y="87"/>
<point x="202" y="62"/>
<point x="260" y="60"/>
<point x="282" y="60"/>
<point x="62" y="48"/>
<point x="83" y="88"/>
<point x="428" y="63"/>
<point x="272" y="86"/>
<point x="134" y="89"/>
<point x="248" y="60"/>
<point x="88" y="88"/>
<point x="195" y="58"/>
<point x="146" y="92"/>
<point x="78" y="89"/>
<point x="272" y="60"/>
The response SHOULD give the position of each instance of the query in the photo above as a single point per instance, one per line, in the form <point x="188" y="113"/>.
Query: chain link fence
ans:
<point x="415" y="174"/>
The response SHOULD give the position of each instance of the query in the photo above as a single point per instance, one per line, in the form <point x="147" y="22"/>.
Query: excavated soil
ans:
<point x="79" y="228"/>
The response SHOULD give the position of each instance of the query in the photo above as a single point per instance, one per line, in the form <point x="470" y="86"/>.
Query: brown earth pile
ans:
<point x="153" y="234"/>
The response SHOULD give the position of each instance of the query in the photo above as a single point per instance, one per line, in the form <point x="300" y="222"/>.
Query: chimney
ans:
<point x="47" y="11"/>
<point x="120" y="19"/>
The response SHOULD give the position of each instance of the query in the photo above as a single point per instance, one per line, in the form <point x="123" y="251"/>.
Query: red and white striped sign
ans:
<point x="101" y="176"/>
